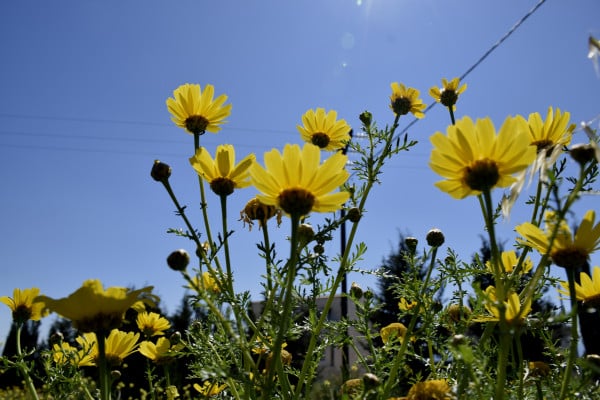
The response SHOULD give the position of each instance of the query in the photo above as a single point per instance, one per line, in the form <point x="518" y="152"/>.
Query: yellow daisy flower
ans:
<point x="554" y="132"/>
<point x="152" y="324"/>
<point x="324" y="130"/>
<point x="160" y="353"/>
<point x="567" y="251"/>
<point x="298" y="183"/>
<point x="64" y="353"/>
<point x="509" y="261"/>
<point x="393" y="331"/>
<point x="210" y="388"/>
<point x="473" y="158"/>
<point x="205" y="282"/>
<point x="405" y="305"/>
<point x="119" y="345"/>
<point x="93" y="309"/>
<point x="588" y="290"/>
<point x="25" y="305"/>
<point x="404" y="100"/>
<point x="196" y="110"/>
<point x="222" y="173"/>
<point x="515" y="312"/>
<point x="435" y="389"/>
<point x="448" y="93"/>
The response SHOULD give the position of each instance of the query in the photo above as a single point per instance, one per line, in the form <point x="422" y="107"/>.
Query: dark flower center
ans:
<point x="296" y="201"/>
<point x="196" y="124"/>
<point x="22" y="313"/>
<point x="222" y="186"/>
<point x="570" y="257"/>
<point x="320" y="139"/>
<point x="99" y="323"/>
<point x="448" y="97"/>
<point x="481" y="175"/>
<point x="544" y="145"/>
<point x="401" y="105"/>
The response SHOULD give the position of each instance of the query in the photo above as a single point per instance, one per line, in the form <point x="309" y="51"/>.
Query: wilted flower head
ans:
<point x="435" y="389"/>
<point x="210" y="388"/>
<point x="254" y="210"/>
<point x="196" y="111"/>
<point x="392" y="332"/>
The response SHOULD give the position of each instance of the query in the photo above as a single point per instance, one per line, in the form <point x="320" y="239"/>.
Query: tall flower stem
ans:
<point x="373" y="168"/>
<point x="203" y="203"/>
<point x="103" y="372"/>
<point x="574" y="335"/>
<point x="399" y="358"/>
<point x="22" y="366"/>
<point x="288" y="294"/>
<point x="268" y="260"/>
<point x="181" y="213"/>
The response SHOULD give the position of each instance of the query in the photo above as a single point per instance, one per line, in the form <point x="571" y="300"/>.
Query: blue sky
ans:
<point x="82" y="117"/>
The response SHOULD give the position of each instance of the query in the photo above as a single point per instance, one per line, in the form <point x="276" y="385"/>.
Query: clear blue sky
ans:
<point x="82" y="116"/>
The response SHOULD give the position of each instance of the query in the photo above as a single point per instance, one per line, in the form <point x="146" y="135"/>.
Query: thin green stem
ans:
<point x="451" y="110"/>
<point x="150" y="380"/>
<point x="399" y="357"/>
<point x="287" y="295"/>
<point x="22" y="366"/>
<point x="181" y="212"/>
<point x="203" y="203"/>
<point x="574" y="335"/>
<point x="226" y="245"/>
<point x="104" y="373"/>
<point x="268" y="260"/>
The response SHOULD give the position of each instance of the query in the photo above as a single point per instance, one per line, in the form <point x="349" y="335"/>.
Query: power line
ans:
<point x="483" y="57"/>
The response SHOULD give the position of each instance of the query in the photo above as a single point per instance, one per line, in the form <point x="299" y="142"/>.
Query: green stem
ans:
<point x="287" y="295"/>
<point x="229" y="274"/>
<point x="203" y="203"/>
<point x="150" y="381"/>
<point x="372" y="173"/>
<point x="268" y="260"/>
<point x="104" y="373"/>
<point x="22" y="366"/>
<point x="451" y="110"/>
<point x="399" y="358"/>
<point x="574" y="335"/>
<point x="181" y="212"/>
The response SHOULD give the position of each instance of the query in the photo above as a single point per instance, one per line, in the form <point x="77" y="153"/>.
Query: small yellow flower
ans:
<point x="93" y="309"/>
<point x="555" y="131"/>
<point x="448" y="93"/>
<point x="64" y="353"/>
<point x="25" y="305"/>
<point x="196" y="111"/>
<point x="222" y="173"/>
<point x="435" y="389"/>
<point x="162" y="352"/>
<point x="405" y="305"/>
<point x="472" y="158"/>
<point x="210" y="388"/>
<point x="515" y="312"/>
<point x="205" y="282"/>
<point x="298" y="183"/>
<point x="392" y="332"/>
<point x="152" y="324"/>
<point x="567" y="251"/>
<point x="588" y="290"/>
<point x="509" y="261"/>
<point x="404" y="100"/>
<point x="118" y="344"/>
<point x="324" y="129"/>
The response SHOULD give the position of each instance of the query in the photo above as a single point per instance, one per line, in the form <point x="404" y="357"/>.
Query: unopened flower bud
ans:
<point x="435" y="238"/>
<point x="305" y="234"/>
<point x="371" y="381"/>
<point x="319" y="249"/>
<point x="366" y="118"/>
<point x="582" y="153"/>
<point x="411" y="243"/>
<point x="178" y="260"/>
<point x="115" y="374"/>
<point x="175" y="338"/>
<point x="160" y="171"/>
<point x="356" y="291"/>
<point x="368" y="294"/>
<point x="354" y="215"/>
<point x="457" y="340"/>
<point x="56" y="338"/>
